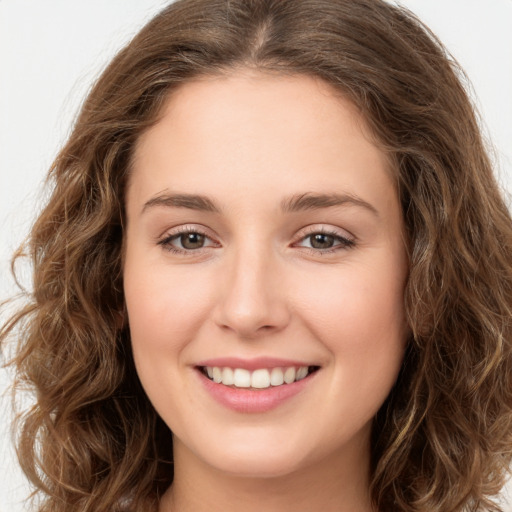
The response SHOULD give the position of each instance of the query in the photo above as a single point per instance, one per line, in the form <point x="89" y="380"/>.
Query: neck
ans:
<point x="338" y="483"/>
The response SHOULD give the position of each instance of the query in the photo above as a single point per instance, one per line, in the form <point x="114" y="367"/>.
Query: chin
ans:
<point x="259" y="459"/>
<point x="259" y="466"/>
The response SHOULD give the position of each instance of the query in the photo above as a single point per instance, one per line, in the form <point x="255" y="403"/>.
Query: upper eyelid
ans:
<point x="301" y="234"/>
<point x="327" y="229"/>
<point x="313" y="228"/>
<point x="186" y="228"/>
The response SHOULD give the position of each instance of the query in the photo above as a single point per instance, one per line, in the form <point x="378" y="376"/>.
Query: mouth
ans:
<point x="257" y="379"/>
<point x="257" y="385"/>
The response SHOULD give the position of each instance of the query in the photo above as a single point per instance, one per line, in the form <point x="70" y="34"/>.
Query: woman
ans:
<point x="309" y="274"/>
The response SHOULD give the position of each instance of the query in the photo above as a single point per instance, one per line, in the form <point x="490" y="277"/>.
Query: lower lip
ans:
<point x="254" y="401"/>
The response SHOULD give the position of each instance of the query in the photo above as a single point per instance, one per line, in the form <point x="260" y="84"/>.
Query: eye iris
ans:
<point x="322" y="241"/>
<point x="192" y="240"/>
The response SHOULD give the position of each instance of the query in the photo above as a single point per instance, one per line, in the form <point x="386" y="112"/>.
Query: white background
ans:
<point x="50" y="52"/>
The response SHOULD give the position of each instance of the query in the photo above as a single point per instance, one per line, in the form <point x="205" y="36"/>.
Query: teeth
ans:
<point x="258" y="379"/>
<point x="217" y="375"/>
<point x="228" y="377"/>
<point x="301" y="373"/>
<point x="289" y="375"/>
<point x="276" y="377"/>
<point x="242" y="378"/>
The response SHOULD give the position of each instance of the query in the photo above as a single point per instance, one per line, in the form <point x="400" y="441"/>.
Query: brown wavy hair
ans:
<point x="442" y="442"/>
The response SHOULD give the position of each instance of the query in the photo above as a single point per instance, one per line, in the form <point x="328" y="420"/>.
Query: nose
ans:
<point x="252" y="297"/>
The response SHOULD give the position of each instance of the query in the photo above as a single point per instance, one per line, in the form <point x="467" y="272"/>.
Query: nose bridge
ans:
<point x="252" y="301"/>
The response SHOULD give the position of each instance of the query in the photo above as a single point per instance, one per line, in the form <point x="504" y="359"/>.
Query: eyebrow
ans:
<point x="296" y="203"/>
<point x="313" y="201"/>
<point x="191" y="201"/>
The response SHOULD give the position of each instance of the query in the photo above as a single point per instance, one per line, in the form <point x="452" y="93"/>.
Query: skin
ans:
<point x="249" y="141"/>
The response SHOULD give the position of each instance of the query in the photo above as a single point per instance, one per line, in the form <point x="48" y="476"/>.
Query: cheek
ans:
<point x="359" y="317"/>
<point x="356" y="306"/>
<point x="166" y="306"/>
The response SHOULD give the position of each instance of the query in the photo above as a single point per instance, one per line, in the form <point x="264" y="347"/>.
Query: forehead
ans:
<point x="250" y="127"/>
<point x="243" y="98"/>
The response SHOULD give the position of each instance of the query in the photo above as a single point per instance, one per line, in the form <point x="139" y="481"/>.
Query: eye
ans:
<point x="325" y="241"/>
<point x="191" y="240"/>
<point x="321" y="241"/>
<point x="187" y="240"/>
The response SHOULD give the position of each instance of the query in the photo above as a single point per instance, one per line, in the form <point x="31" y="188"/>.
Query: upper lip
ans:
<point x="252" y="364"/>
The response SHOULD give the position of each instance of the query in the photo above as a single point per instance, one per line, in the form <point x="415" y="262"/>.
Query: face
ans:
<point x="264" y="247"/>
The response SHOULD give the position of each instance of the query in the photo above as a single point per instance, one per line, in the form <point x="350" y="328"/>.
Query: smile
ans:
<point x="260" y="378"/>
<point x="254" y="389"/>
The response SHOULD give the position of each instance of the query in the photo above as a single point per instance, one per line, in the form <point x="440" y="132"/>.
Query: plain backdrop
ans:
<point x="51" y="51"/>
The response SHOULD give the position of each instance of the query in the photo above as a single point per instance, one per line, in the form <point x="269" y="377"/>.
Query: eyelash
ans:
<point x="343" y="242"/>
<point x="166" y="243"/>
